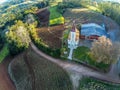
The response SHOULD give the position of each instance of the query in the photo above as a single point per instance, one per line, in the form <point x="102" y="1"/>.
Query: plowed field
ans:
<point x="52" y="36"/>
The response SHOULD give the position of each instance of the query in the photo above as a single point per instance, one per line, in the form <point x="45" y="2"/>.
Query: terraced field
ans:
<point x="48" y="76"/>
<point x="52" y="36"/>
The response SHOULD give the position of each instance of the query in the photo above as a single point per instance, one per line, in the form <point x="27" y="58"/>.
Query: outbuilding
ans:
<point x="92" y="31"/>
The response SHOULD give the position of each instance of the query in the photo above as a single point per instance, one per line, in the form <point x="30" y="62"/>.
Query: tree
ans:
<point x="29" y="18"/>
<point x="103" y="50"/>
<point x="17" y="38"/>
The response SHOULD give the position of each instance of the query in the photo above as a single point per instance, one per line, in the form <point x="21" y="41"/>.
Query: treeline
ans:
<point x="10" y="12"/>
<point x="14" y="24"/>
<point x="111" y="10"/>
<point x="62" y="6"/>
<point x="41" y="45"/>
<point x="18" y="24"/>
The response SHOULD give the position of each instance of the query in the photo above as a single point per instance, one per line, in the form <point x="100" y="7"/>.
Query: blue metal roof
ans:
<point x="93" y="29"/>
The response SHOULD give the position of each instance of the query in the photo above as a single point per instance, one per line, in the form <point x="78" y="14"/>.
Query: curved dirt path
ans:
<point x="5" y="81"/>
<point x="77" y="68"/>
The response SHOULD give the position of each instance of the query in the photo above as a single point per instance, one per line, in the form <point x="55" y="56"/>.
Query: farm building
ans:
<point x="92" y="31"/>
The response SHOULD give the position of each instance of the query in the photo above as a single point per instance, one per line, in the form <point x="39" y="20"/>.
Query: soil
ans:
<point x="5" y="81"/>
<point x="83" y="15"/>
<point x="52" y="36"/>
<point x="47" y="75"/>
<point x="21" y="73"/>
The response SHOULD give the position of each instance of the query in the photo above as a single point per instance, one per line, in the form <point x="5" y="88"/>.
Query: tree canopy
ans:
<point x="103" y="50"/>
<point x="17" y="37"/>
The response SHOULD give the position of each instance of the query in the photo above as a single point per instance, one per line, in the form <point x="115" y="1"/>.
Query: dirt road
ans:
<point x="80" y="69"/>
<point x="5" y="81"/>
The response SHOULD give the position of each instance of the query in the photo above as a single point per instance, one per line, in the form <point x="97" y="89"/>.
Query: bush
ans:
<point x="41" y="45"/>
<point x="93" y="84"/>
<point x="57" y="21"/>
<point x="17" y="38"/>
<point x="52" y="52"/>
<point x="82" y="54"/>
<point x="111" y="10"/>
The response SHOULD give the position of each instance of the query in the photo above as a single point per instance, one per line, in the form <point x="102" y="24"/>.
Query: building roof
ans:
<point x="93" y="29"/>
<point x="73" y="27"/>
<point x="75" y="30"/>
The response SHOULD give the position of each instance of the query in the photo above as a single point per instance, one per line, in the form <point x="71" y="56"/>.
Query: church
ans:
<point x="73" y="39"/>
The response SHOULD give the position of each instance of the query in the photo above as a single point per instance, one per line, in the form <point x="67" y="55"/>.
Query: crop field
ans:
<point x="52" y="36"/>
<point x="48" y="76"/>
<point x="55" y="18"/>
<point x="83" y="15"/>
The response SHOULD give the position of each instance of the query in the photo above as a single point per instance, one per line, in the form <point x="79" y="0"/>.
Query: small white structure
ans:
<point x="73" y="40"/>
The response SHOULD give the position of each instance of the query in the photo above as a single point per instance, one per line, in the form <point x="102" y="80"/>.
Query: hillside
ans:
<point x="48" y="76"/>
<point x="84" y="15"/>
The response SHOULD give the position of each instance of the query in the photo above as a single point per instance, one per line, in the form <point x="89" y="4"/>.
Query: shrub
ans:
<point x="41" y="45"/>
<point x="57" y="21"/>
<point x="93" y="84"/>
<point x="103" y="50"/>
<point x="82" y="54"/>
<point x="17" y="38"/>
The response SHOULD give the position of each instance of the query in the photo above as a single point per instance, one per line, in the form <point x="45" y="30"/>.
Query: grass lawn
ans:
<point x="55" y="17"/>
<point x="3" y="53"/>
<point x="93" y="84"/>
<point x="82" y="55"/>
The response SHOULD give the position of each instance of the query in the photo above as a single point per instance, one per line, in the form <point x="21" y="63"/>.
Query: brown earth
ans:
<point x="45" y="75"/>
<point x="52" y="36"/>
<point x="83" y="15"/>
<point x="5" y="81"/>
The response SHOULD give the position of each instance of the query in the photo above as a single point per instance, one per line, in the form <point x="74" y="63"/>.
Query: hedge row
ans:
<point x="42" y="46"/>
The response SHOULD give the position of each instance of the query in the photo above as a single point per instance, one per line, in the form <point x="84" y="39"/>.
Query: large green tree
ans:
<point x="17" y="38"/>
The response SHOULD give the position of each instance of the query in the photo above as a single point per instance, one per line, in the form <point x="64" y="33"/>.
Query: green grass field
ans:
<point x="48" y="76"/>
<point x="55" y="18"/>
<point x="93" y="84"/>
<point x="3" y="53"/>
<point x="82" y="54"/>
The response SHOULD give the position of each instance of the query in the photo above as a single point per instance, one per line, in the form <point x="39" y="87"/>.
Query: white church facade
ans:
<point x="73" y="40"/>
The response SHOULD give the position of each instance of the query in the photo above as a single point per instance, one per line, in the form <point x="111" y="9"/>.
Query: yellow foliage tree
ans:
<point x="103" y="50"/>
